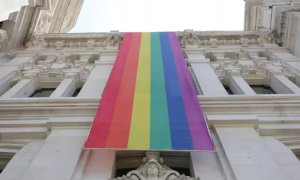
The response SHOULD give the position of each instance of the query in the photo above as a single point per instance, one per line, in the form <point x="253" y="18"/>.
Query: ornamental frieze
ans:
<point x="55" y="67"/>
<point x="109" y="41"/>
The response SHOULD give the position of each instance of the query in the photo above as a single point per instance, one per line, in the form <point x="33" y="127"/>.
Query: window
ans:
<point x="45" y="92"/>
<point x="4" y="160"/>
<point x="228" y="90"/>
<point x="76" y="92"/>
<point x="260" y="89"/>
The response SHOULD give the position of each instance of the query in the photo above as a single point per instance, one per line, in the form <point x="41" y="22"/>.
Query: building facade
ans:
<point x="248" y="85"/>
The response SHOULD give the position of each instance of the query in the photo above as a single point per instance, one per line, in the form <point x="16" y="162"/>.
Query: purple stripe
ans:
<point x="197" y="122"/>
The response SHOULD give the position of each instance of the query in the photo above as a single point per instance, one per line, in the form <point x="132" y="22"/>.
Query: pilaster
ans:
<point x="95" y="84"/>
<point x="237" y="83"/>
<point x="207" y="166"/>
<point x="58" y="157"/>
<point x="98" y="164"/>
<point x="247" y="155"/>
<point x="208" y="81"/>
<point x="67" y="87"/>
<point x="282" y="85"/>
<point x="21" y="161"/>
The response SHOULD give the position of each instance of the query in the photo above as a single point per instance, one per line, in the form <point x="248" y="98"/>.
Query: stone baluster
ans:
<point x="207" y="79"/>
<point x="95" y="84"/>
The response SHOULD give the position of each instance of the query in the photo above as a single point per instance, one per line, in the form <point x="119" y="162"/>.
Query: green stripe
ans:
<point x="159" y="129"/>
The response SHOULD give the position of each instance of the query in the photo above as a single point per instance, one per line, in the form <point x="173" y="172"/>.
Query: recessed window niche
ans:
<point x="261" y="89"/>
<point x="44" y="92"/>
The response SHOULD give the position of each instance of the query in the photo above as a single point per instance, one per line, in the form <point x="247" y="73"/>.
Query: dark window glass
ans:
<point x="76" y="92"/>
<point x="262" y="89"/>
<point x="46" y="92"/>
<point x="4" y="159"/>
<point x="228" y="90"/>
<point x="123" y="172"/>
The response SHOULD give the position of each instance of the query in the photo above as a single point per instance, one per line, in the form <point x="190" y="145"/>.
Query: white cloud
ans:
<point x="160" y="15"/>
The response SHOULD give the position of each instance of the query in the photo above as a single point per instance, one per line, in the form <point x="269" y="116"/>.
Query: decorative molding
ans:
<point x="250" y="65"/>
<point x="197" y="39"/>
<point x="55" y="68"/>
<point x="154" y="169"/>
<point x="109" y="41"/>
<point x="59" y="17"/>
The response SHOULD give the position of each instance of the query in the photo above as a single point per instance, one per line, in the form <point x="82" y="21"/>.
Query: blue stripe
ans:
<point x="180" y="134"/>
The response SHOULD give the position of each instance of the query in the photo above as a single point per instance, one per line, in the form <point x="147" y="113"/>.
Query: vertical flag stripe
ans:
<point x="149" y="102"/>
<point x="195" y="116"/>
<point x="106" y="108"/>
<point x="160" y="130"/>
<point x="118" y="136"/>
<point x="181" y="138"/>
<point x="140" y="123"/>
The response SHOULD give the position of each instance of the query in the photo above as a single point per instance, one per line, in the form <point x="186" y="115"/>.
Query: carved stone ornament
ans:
<point x="37" y="41"/>
<point x="154" y="169"/>
<point x="55" y="67"/>
<point x="41" y="41"/>
<point x="250" y="65"/>
<point x="44" y="22"/>
<point x="193" y="39"/>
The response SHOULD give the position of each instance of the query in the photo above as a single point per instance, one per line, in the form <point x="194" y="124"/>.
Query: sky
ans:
<point x="160" y="15"/>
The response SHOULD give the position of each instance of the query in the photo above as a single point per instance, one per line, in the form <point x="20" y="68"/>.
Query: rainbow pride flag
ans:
<point x="149" y="102"/>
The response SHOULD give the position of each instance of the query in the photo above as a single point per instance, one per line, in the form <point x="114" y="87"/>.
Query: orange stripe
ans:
<point x="119" y="131"/>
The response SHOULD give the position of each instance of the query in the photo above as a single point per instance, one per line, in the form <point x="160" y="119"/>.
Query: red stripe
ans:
<point x="103" y="119"/>
<point x="120" y="127"/>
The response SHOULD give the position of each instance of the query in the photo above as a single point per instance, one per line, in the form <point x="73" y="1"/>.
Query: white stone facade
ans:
<point x="257" y="136"/>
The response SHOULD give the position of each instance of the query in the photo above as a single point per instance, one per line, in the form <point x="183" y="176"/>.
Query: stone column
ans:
<point x="95" y="84"/>
<point x="24" y="88"/>
<point x="237" y="83"/>
<point x="67" y="87"/>
<point x="207" y="79"/>
<point x="58" y="156"/>
<point x="282" y="85"/>
<point x="247" y="155"/>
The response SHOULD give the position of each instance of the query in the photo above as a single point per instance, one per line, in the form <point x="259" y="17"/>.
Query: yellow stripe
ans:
<point x="139" y="137"/>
